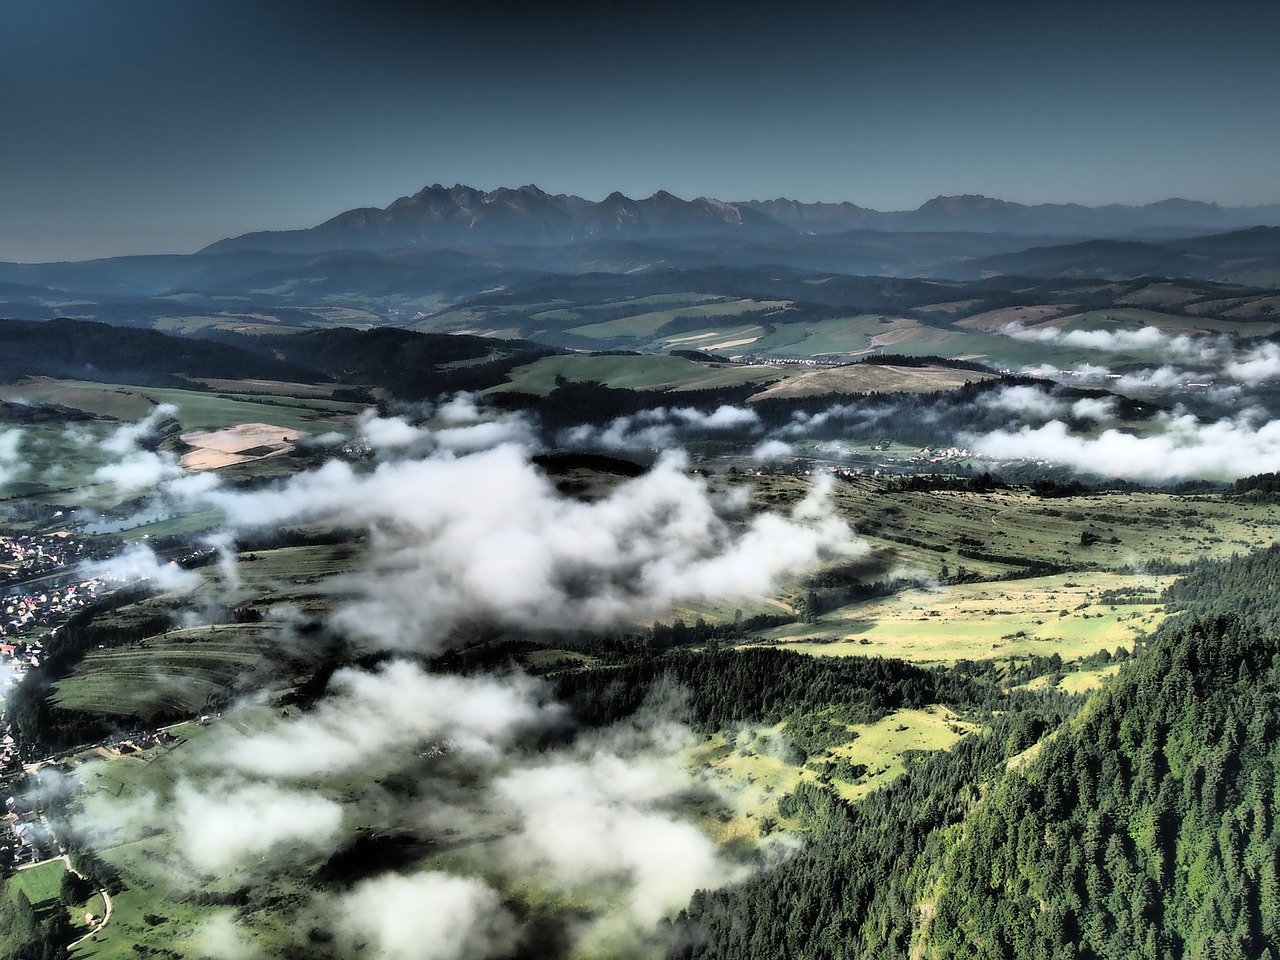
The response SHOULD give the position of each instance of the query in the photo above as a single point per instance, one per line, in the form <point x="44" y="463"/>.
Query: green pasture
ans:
<point x="1076" y="681"/>
<point x="160" y="908"/>
<point x="97" y="399"/>
<point x="41" y="884"/>
<point x="209" y="411"/>
<point x="885" y="747"/>
<point x="56" y="465"/>
<point x="751" y="768"/>
<point x="922" y="533"/>
<point x="272" y="403"/>
<point x="1040" y="616"/>
<point x="645" y="325"/>
<point x="172" y="674"/>
<point x="749" y="771"/>
<point x="176" y="672"/>
<point x="296" y="575"/>
<point x="853" y="335"/>
<point x="184" y="524"/>
<point x="1130" y="528"/>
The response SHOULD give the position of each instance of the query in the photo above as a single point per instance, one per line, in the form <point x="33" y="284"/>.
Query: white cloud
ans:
<point x="11" y="461"/>
<point x="772" y="450"/>
<point x="1145" y="340"/>
<point x="1094" y="408"/>
<point x="388" y="433"/>
<point x="487" y="536"/>
<point x="661" y="428"/>
<point x="1257" y="365"/>
<point x="139" y="564"/>
<point x="129" y="437"/>
<point x="222" y="825"/>
<point x="426" y="916"/>
<point x="1024" y="400"/>
<point x="1184" y="448"/>
<point x="221" y="938"/>
<point x="376" y="719"/>
<point x="603" y="820"/>
<point x="140" y="470"/>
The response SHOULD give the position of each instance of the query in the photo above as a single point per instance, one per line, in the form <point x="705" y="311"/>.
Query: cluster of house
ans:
<point x="23" y="611"/>
<point x="929" y="455"/>
<point x="28" y="839"/>
<point x="137" y="742"/>
<point x="38" y="558"/>
<point x="31" y="555"/>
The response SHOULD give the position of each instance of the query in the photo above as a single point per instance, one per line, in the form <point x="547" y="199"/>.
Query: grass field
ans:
<point x="925" y="530"/>
<point x="165" y="905"/>
<point x="750" y="768"/>
<point x="643" y="326"/>
<point x="174" y="674"/>
<point x="197" y="410"/>
<point x="1077" y="681"/>
<point x="41" y="884"/>
<point x="885" y="747"/>
<point x="980" y="621"/>
<point x="921" y="534"/>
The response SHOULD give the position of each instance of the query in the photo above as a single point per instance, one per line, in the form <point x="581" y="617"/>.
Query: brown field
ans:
<point x="996" y="320"/>
<point x="243" y="443"/>
<point x="870" y="378"/>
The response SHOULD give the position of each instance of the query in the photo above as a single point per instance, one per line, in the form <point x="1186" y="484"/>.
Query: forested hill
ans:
<point x="88" y="350"/>
<point x="1146" y="827"/>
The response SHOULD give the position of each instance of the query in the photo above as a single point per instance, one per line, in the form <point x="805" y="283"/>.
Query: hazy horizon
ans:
<point x="143" y="127"/>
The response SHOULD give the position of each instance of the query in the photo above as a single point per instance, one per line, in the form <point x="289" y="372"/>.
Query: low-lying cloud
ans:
<point x="594" y="818"/>
<point x="221" y="824"/>
<point x="1180" y="447"/>
<point x="1145" y="341"/>
<point x="487" y="536"/>
<point x="1257" y="365"/>
<point x="11" y="462"/>
<point x="664" y="427"/>
<point x="138" y="563"/>
<point x="425" y="916"/>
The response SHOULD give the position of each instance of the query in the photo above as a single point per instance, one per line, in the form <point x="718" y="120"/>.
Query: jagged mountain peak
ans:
<point x="464" y="216"/>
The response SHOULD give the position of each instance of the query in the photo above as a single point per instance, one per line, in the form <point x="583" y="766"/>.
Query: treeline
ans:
<point x="1146" y="831"/>
<point x="720" y="689"/>
<point x="850" y="891"/>
<point x="572" y="404"/>
<point x="411" y="365"/>
<point x="1260" y="486"/>
<point x="88" y="350"/>
<point x="1246" y="587"/>
<point x="1146" y="827"/>
<point x="24" y="935"/>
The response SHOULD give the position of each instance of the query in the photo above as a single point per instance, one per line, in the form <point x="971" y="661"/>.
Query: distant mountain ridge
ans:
<point x="463" y="216"/>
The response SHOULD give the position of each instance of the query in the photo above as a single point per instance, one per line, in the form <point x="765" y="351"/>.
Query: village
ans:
<point x="44" y="586"/>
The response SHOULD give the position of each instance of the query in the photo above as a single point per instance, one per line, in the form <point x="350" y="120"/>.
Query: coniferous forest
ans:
<point x="1144" y="826"/>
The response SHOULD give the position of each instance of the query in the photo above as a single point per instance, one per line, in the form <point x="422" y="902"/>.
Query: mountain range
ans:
<point x="462" y="216"/>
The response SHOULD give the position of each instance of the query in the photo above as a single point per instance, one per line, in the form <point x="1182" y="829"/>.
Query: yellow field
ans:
<point x="750" y="772"/>
<point x="982" y="620"/>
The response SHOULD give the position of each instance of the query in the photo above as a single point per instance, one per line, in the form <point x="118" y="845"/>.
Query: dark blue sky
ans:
<point x="161" y="125"/>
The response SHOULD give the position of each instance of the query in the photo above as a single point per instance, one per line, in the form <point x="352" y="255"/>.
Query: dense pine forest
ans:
<point x="1143" y="826"/>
